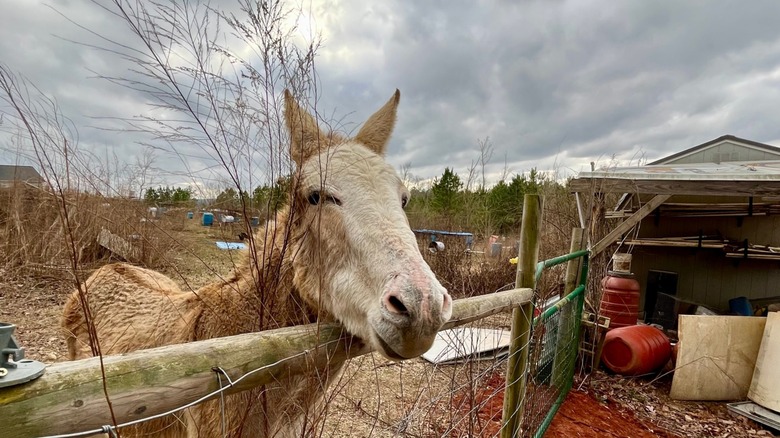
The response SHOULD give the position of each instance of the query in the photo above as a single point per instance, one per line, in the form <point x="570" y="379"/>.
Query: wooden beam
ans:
<point x="627" y="224"/>
<point x="69" y="398"/>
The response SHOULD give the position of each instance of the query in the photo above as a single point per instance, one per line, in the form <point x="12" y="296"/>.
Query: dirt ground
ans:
<point x="379" y="398"/>
<point x="602" y="420"/>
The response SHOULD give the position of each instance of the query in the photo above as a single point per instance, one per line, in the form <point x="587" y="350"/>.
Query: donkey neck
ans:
<point x="259" y="294"/>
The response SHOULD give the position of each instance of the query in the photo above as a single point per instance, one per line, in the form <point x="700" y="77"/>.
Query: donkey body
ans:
<point x="341" y="251"/>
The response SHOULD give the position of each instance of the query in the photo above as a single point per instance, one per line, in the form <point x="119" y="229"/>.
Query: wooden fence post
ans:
<point x="522" y="317"/>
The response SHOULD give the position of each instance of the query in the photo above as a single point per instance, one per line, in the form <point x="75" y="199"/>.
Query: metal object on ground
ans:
<point x="17" y="370"/>
<point x="436" y="246"/>
<point x="756" y="412"/>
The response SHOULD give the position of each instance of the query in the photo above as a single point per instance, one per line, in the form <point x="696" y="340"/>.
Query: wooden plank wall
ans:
<point x="729" y="149"/>
<point x="706" y="276"/>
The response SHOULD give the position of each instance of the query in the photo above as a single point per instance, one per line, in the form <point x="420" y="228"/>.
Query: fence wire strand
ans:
<point x="219" y="371"/>
<point x="552" y="358"/>
<point x="552" y="353"/>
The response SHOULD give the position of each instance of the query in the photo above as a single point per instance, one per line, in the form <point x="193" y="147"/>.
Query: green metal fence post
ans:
<point x="562" y="343"/>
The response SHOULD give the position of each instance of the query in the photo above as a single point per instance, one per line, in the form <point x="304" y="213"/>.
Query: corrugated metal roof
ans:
<point x="729" y="171"/>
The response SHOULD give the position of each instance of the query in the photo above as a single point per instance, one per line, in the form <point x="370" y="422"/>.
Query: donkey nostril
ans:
<point x="395" y="305"/>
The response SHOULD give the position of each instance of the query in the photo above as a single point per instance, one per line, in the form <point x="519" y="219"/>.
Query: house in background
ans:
<point x="721" y="150"/>
<point x="13" y="176"/>
<point x="703" y="225"/>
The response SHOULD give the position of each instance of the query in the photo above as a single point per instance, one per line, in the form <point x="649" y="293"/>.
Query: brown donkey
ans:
<point x="342" y="250"/>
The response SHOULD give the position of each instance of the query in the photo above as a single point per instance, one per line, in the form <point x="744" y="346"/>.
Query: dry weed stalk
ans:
<point x="236" y="121"/>
<point x="41" y="123"/>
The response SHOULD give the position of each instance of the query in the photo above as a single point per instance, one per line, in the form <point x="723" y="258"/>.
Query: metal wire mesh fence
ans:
<point x="552" y="357"/>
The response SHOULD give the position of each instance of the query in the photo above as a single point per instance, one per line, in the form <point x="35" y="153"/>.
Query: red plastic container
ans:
<point x="619" y="299"/>
<point x="636" y="349"/>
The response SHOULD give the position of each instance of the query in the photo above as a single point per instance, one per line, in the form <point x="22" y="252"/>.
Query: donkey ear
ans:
<point x="306" y="137"/>
<point x="376" y="132"/>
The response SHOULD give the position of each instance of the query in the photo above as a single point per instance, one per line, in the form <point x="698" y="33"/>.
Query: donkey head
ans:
<point x="355" y="256"/>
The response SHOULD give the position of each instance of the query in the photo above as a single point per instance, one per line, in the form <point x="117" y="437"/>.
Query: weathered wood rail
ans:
<point x="69" y="396"/>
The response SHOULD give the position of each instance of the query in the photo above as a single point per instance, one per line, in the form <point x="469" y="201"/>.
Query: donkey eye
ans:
<point x="404" y="201"/>
<point x="315" y="197"/>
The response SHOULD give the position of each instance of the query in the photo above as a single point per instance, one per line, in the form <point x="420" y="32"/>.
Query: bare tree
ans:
<point x="505" y="171"/>
<point x="144" y="174"/>
<point x="405" y="173"/>
<point x="471" y="175"/>
<point x="485" y="147"/>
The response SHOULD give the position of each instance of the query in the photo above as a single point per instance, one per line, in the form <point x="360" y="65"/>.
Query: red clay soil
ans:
<point x="580" y="416"/>
<point x="490" y="398"/>
<point x="583" y="416"/>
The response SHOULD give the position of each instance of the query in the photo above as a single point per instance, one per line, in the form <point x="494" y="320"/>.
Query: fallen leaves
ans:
<point x="649" y="400"/>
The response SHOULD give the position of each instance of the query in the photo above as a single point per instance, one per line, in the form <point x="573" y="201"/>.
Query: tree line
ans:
<point x="168" y="196"/>
<point x="450" y="204"/>
<point x="447" y="203"/>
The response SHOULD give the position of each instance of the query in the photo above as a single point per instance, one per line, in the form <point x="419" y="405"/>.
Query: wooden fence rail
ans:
<point x="69" y="396"/>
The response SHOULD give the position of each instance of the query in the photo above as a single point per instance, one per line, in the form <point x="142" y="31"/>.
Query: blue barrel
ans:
<point x="190" y="215"/>
<point x="208" y="219"/>
<point x="741" y="306"/>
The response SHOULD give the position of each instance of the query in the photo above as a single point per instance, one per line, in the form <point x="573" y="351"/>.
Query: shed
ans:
<point x="11" y="176"/>
<point x="701" y="227"/>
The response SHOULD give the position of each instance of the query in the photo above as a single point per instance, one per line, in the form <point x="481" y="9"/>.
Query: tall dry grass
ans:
<point x="34" y="239"/>
<point x="40" y="229"/>
<point x="476" y="273"/>
<point x="466" y="274"/>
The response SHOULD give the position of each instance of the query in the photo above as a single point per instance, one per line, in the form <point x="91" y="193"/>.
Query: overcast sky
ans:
<point x="553" y="84"/>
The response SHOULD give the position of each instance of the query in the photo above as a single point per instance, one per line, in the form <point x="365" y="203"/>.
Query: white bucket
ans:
<point x="621" y="262"/>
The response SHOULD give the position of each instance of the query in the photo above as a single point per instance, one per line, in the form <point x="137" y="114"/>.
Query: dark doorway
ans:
<point x="660" y="302"/>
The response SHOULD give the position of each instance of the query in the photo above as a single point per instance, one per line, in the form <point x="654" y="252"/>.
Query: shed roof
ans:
<point x="759" y="178"/>
<point x="19" y="173"/>
<point x="713" y="143"/>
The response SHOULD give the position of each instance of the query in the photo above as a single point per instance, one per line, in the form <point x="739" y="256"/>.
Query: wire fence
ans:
<point x="456" y="399"/>
<point x="553" y="355"/>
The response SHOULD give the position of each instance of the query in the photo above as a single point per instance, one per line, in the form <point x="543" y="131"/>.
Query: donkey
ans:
<point x="341" y="251"/>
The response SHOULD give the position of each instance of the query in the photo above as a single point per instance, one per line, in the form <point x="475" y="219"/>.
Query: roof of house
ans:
<point x="19" y="173"/>
<point x="721" y="139"/>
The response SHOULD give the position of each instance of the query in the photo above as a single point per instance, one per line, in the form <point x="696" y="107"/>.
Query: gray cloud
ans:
<point x="557" y="83"/>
